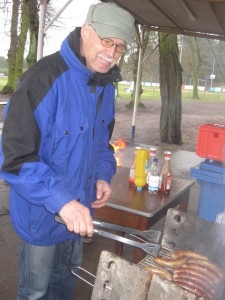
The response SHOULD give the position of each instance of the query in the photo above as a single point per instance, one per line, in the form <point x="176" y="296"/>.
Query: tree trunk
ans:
<point x="33" y="26"/>
<point x="195" y="85"/>
<point x="9" y="88"/>
<point x="21" y="42"/>
<point x="170" y="89"/>
<point x="195" y="64"/>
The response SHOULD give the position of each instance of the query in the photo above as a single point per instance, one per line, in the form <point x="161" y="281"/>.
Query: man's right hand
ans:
<point x="77" y="218"/>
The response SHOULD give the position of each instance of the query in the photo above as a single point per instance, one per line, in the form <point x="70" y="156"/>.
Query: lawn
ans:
<point x="153" y="93"/>
<point x="3" y="81"/>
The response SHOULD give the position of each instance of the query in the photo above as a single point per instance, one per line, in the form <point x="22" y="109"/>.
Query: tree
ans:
<point x="21" y="42"/>
<point x="13" y="48"/>
<point x="170" y="89"/>
<point x="195" y="64"/>
<point x="18" y="37"/>
<point x="33" y="30"/>
<point x="24" y="20"/>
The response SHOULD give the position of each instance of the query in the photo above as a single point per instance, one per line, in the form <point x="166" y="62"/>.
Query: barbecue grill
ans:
<point x="118" y="279"/>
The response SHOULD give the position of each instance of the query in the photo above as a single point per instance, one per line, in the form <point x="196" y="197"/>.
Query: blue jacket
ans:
<point x="55" y="145"/>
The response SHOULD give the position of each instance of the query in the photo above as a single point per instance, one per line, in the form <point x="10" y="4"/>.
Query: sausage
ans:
<point x="215" y="278"/>
<point x="195" y="278"/>
<point x="209" y="265"/>
<point x="169" y="263"/>
<point x="211" y="280"/>
<point x="195" y="289"/>
<point x="162" y="273"/>
<point x="187" y="253"/>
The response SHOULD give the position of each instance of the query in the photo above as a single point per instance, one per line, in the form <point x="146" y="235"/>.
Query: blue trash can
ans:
<point x="211" y="177"/>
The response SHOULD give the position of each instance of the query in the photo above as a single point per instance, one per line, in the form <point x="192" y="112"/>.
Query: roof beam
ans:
<point x="183" y="32"/>
<point x="213" y="1"/>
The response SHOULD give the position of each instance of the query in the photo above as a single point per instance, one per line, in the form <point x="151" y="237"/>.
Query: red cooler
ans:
<point x="211" y="142"/>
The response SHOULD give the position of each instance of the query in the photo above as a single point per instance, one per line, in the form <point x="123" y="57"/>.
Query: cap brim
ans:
<point x="104" y="30"/>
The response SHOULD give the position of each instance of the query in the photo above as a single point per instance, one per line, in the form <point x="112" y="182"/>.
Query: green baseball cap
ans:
<point x="110" y="20"/>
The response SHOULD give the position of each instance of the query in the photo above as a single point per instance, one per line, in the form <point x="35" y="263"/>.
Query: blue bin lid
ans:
<point x="210" y="171"/>
<point x="212" y="165"/>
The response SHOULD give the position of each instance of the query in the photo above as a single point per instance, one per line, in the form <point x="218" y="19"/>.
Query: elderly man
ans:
<point x="55" y="151"/>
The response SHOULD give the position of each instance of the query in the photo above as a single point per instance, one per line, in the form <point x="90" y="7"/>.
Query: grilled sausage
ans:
<point x="162" y="273"/>
<point x="169" y="263"/>
<point x="214" y="277"/>
<point x="195" y="278"/>
<point x="195" y="289"/>
<point x="209" y="265"/>
<point x="205" y="276"/>
<point x="186" y="253"/>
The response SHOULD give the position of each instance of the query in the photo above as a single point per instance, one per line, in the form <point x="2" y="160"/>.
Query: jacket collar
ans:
<point x="97" y="79"/>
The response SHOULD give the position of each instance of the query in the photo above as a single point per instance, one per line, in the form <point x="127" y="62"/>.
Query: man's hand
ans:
<point x="77" y="218"/>
<point x="102" y="194"/>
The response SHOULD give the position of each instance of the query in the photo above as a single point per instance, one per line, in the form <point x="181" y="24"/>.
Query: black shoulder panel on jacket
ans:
<point x="41" y="76"/>
<point x="21" y="135"/>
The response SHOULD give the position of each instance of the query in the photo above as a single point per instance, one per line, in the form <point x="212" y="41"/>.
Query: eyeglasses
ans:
<point x="108" y="43"/>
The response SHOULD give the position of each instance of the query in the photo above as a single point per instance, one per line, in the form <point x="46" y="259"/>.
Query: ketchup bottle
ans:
<point x="166" y="174"/>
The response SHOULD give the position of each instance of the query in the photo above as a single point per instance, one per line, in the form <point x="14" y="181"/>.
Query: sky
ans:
<point x="74" y="15"/>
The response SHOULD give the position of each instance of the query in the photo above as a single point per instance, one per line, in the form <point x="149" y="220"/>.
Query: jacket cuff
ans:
<point x="58" y="200"/>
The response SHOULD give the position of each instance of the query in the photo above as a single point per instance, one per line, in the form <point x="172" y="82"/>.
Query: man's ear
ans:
<point x="85" y="31"/>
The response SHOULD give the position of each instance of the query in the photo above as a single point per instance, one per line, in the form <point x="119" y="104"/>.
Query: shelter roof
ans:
<point x="202" y="18"/>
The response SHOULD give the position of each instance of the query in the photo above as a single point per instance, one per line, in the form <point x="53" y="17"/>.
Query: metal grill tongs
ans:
<point x="149" y="246"/>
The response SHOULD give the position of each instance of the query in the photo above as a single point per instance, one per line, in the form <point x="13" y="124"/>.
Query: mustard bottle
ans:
<point x="140" y="168"/>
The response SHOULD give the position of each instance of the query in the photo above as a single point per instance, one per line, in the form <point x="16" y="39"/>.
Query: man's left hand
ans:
<point x="102" y="194"/>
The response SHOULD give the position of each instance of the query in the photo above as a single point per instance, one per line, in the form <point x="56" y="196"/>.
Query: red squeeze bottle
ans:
<point x="166" y="174"/>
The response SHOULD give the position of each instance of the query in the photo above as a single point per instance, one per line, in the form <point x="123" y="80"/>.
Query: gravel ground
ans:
<point x="147" y="121"/>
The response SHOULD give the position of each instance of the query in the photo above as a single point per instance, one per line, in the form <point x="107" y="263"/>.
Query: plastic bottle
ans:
<point x="140" y="168"/>
<point x="132" y="169"/>
<point x="152" y="154"/>
<point x="166" y="174"/>
<point x="153" y="177"/>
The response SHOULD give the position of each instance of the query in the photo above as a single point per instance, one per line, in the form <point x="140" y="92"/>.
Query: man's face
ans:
<point x="98" y="58"/>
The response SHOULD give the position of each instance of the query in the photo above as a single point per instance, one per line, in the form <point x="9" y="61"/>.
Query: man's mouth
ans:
<point x="105" y="58"/>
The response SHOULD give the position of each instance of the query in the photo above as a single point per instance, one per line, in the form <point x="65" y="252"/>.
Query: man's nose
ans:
<point x="111" y="51"/>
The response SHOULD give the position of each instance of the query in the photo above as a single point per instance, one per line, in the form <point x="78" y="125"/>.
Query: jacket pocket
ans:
<point x="71" y="146"/>
<point x="69" y="135"/>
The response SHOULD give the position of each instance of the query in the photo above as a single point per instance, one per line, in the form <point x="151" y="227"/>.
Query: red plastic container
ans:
<point x="211" y="141"/>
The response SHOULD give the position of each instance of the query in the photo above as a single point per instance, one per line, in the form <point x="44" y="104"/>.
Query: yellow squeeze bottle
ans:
<point x="140" y="168"/>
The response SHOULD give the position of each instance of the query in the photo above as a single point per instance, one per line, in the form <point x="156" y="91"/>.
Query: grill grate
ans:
<point x="148" y="260"/>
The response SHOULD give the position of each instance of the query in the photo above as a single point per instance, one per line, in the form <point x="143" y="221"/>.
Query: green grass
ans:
<point x="148" y="94"/>
<point x="153" y="93"/>
<point x="3" y="81"/>
<point x="204" y="96"/>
